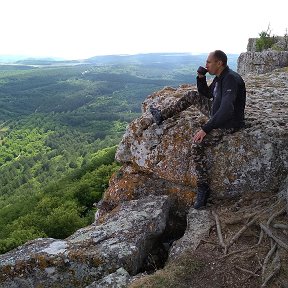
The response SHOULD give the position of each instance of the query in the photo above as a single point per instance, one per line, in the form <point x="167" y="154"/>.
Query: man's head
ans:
<point x="216" y="62"/>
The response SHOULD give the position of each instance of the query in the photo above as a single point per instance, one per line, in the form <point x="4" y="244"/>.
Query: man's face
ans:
<point x="213" y="65"/>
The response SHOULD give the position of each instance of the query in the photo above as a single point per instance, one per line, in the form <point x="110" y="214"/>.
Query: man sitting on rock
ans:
<point x="223" y="101"/>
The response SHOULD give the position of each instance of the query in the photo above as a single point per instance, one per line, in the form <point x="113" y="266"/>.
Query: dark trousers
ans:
<point x="190" y="98"/>
<point x="204" y="105"/>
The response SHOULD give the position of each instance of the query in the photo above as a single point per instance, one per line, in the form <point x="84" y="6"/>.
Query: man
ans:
<point x="223" y="102"/>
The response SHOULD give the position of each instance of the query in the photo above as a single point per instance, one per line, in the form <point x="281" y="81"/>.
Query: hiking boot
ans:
<point x="157" y="116"/>
<point x="203" y="194"/>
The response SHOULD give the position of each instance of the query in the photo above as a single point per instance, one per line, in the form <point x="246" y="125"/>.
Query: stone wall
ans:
<point x="261" y="62"/>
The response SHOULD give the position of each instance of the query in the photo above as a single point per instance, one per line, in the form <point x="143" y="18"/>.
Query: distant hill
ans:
<point x="158" y="58"/>
<point x="14" y="59"/>
<point x="179" y="58"/>
<point x="136" y="59"/>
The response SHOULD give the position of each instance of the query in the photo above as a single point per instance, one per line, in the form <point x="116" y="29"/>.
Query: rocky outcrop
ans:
<point x="158" y="159"/>
<point x="261" y="62"/>
<point x="264" y="61"/>
<point x="280" y="43"/>
<point x="123" y="240"/>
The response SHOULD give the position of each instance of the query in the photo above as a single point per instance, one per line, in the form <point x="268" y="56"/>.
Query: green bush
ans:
<point x="265" y="40"/>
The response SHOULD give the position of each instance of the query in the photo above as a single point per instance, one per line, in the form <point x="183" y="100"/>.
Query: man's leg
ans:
<point x="200" y="161"/>
<point x="190" y="98"/>
<point x="201" y="165"/>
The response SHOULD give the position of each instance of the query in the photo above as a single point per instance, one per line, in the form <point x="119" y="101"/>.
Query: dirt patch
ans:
<point x="245" y="256"/>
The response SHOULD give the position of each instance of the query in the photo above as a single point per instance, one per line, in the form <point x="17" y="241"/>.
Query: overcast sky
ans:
<point x="76" y="29"/>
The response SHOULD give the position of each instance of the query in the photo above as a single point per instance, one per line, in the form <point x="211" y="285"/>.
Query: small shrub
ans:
<point x="265" y="40"/>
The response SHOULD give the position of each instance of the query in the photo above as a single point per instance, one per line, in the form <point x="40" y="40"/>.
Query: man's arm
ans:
<point x="226" y="109"/>
<point x="202" y="86"/>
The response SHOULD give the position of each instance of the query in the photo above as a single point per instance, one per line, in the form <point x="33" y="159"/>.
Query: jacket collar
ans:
<point x="224" y="72"/>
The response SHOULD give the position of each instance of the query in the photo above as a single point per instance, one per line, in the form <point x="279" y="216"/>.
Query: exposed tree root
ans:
<point x="267" y="258"/>
<point x="280" y="226"/>
<point x="219" y="232"/>
<point x="268" y="267"/>
<point x="271" y="235"/>
<point x="241" y="231"/>
<point x="248" y="271"/>
<point x="237" y="251"/>
<point x="276" y="266"/>
<point x="273" y="216"/>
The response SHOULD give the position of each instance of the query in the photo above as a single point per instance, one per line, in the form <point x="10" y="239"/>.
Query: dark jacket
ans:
<point x="228" y="100"/>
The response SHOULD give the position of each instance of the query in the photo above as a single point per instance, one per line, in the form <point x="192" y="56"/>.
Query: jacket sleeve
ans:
<point x="226" y="108"/>
<point x="203" y="87"/>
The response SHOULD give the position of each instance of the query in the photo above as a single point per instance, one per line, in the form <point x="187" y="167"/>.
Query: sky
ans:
<point x="79" y="29"/>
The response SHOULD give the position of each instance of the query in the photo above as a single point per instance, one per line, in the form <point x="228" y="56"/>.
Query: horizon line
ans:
<point x="59" y="58"/>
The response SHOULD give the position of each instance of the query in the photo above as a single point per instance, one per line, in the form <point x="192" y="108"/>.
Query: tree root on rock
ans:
<point x="276" y="239"/>
<point x="276" y="266"/>
<point x="248" y="271"/>
<point x="219" y="233"/>
<point x="271" y="263"/>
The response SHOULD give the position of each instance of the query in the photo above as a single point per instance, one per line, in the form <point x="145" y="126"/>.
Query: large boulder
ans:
<point x="157" y="159"/>
<point x="123" y="240"/>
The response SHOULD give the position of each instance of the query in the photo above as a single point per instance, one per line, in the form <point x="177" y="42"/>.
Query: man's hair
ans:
<point x="221" y="56"/>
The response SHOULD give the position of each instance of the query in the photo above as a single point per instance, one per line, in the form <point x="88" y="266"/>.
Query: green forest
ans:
<point x="60" y="124"/>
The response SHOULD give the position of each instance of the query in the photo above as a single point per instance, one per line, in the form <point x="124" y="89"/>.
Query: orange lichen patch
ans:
<point x="83" y="255"/>
<point x="144" y="122"/>
<point x="190" y="179"/>
<point x="97" y="261"/>
<point x="20" y="267"/>
<point x="102" y="219"/>
<point x="232" y="177"/>
<point x="41" y="261"/>
<point x="133" y="127"/>
<point x="6" y="271"/>
<point x="123" y="188"/>
<point x="76" y="255"/>
<point x="185" y="196"/>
